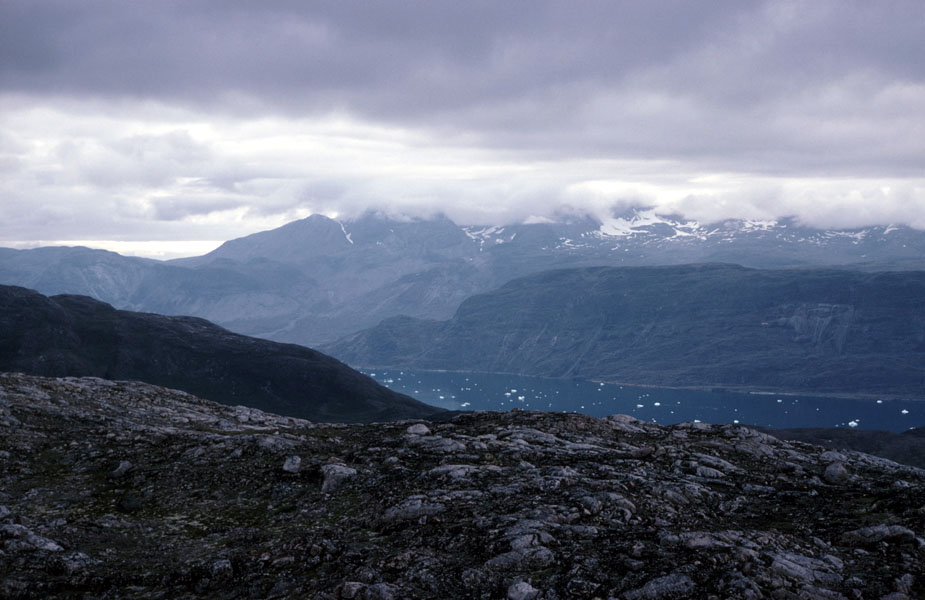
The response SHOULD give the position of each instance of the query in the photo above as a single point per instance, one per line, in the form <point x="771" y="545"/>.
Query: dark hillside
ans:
<point x="79" y="336"/>
<point x="697" y="325"/>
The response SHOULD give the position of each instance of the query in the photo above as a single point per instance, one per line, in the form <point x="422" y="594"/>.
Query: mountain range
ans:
<point x="71" y="335"/>
<point x="317" y="279"/>
<point x="806" y="330"/>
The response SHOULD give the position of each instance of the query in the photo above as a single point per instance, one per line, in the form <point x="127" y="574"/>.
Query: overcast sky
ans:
<point x="166" y="127"/>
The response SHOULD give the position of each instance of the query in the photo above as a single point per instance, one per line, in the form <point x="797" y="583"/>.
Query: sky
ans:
<point x="164" y="128"/>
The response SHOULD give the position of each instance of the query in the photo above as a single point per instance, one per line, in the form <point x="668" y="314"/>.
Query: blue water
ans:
<point x="488" y="391"/>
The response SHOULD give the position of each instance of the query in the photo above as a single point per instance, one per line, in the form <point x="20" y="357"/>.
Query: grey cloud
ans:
<point x="69" y="214"/>
<point x="334" y="51"/>
<point x="139" y="160"/>
<point x="772" y="88"/>
<point x="323" y="191"/>
<point x="731" y="84"/>
<point x="180" y="207"/>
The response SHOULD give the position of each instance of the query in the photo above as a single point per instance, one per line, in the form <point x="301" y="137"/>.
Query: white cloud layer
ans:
<point x="156" y="123"/>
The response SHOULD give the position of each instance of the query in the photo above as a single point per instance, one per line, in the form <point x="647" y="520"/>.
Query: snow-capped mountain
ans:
<point x="645" y="237"/>
<point x="317" y="279"/>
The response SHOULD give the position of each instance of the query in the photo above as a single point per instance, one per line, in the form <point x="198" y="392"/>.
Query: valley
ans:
<point x="819" y="313"/>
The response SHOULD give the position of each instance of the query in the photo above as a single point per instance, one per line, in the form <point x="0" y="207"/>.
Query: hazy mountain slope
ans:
<point x="58" y="270"/>
<point x="715" y="325"/>
<point x="317" y="236"/>
<point x="374" y="268"/>
<point x="242" y="295"/>
<point x="125" y="490"/>
<point x="317" y="279"/>
<point x="76" y="335"/>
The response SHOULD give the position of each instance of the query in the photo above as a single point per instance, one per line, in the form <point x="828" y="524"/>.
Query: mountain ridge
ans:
<point x="694" y="325"/>
<point x="317" y="279"/>
<point x="70" y="335"/>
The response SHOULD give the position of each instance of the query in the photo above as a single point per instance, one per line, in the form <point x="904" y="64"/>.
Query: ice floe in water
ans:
<point x="486" y="391"/>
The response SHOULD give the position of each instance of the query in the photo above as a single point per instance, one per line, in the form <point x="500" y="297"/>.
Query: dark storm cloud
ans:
<point x="762" y="86"/>
<point x="361" y="55"/>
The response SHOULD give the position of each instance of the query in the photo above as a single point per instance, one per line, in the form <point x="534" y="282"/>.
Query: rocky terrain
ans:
<point x="907" y="447"/>
<point x="79" y="336"/>
<point x="713" y="325"/>
<point x="316" y="279"/>
<point x="125" y="490"/>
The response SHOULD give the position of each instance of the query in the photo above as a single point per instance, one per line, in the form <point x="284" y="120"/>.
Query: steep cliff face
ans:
<point x="131" y="491"/>
<point x="716" y="325"/>
<point x="825" y="326"/>
<point x="76" y="335"/>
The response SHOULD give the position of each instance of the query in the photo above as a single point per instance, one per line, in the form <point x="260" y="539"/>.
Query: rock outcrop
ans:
<point x="115" y="489"/>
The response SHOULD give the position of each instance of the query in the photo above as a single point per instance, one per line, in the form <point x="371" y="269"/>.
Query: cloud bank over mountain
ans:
<point x="209" y="120"/>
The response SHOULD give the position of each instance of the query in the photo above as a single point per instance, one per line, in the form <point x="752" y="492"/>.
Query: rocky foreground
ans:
<point x="126" y="490"/>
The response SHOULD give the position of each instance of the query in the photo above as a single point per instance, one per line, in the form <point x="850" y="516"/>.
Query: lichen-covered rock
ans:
<point x="418" y="429"/>
<point x="293" y="464"/>
<point x="123" y="468"/>
<point x="866" y="536"/>
<point x="413" y="508"/>
<point x="335" y="475"/>
<point x="18" y="538"/>
<point x="836" y="473"/>
<point x="522" y="591"/>
<point x="485" y="505"/>
<point x="670" y="586"/>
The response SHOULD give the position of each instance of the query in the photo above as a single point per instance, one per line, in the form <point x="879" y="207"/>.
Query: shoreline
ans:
<point x="744" y="390"/>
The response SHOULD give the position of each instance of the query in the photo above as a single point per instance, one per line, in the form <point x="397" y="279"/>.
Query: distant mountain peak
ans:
<point x="293" y="242"/>
<point x="317" y="279"/>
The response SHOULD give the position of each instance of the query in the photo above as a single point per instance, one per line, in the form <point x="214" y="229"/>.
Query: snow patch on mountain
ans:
<point x="759" y="225"/>
<point x="346" y="235"/>
<point x="482" y="235"/>
<point x="642" y="222"/>
<point x="858" y="236"/>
